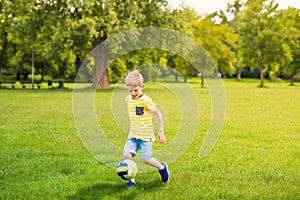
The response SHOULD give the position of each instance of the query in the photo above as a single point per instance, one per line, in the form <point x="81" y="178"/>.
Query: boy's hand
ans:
<point x="161" y="136"/>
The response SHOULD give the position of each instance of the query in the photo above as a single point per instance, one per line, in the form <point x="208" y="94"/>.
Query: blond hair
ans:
<point x="134" y="78"/>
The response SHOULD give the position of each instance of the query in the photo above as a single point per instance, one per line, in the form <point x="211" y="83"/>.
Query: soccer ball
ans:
<point x="127" y="169"/>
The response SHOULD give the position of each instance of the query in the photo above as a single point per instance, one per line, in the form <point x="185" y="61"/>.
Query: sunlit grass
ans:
<point x="256" y="157"/>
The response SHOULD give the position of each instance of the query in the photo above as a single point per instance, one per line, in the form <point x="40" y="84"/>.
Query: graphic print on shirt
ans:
<point x="139" y="110"/>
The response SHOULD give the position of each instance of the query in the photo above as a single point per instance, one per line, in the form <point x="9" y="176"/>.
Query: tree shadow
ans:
<point x="116" y="190"/>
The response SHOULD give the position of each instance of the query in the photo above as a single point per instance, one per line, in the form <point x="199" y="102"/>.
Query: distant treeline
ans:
<point x="248" y="39"/>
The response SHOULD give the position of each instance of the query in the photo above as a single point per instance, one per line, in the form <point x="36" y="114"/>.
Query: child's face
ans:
<point x="135" y="91"/>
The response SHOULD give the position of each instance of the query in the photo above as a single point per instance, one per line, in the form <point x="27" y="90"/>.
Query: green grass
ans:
<point x="256" y="157"/>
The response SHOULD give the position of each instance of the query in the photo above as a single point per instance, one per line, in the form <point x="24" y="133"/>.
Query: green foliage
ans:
<point x="184" y="68"/>
<point x="219" y="41"/>
<point x="267" y="36"/>
<point x="150" y="72"/>
<point x="251" y="34"/>
<point x="62" y="33"/>
<point x="287" y="27"/>
<point x="152" y="63"/>
<point x="183" y="20"/>
<point x="257" y="31"/>
<point x="116" y="70"/>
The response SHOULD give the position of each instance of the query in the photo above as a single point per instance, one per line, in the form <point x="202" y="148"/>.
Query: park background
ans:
<point x="50" y="39"/>
<point x="257" y="156"/>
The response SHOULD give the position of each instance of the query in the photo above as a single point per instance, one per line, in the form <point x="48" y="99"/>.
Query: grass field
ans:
<point x="256" y="157"/>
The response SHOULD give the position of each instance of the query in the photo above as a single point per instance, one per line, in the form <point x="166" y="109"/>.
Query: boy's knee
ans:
<point x="127" y="155"/>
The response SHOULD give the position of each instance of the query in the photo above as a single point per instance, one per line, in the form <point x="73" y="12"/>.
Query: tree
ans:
<point x="5" y="20"/>
<point x="183" y="18"/>
<point x="58" y="49"/>
<point x="36" y="30"/>
<point x="181" y="23"/>
<point x="23" y="35"/>
<point x="230" y="17"/>
<point x="62" y="33"/>
<point x="9" y="17"/>
<point x="288" y="50"/>
<point x="219" y="40"/>
<point x="105" y="18"/>
<point x="256" y="34"/>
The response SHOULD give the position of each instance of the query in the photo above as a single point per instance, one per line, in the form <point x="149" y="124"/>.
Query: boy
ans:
<point x="141" y="136"/>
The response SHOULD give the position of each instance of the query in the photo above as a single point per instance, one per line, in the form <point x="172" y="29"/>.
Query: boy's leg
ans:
<point x="127" y="155"/>
<point x="146" y="156"/>
<point x="130" y="150"/>
<point x="162" y="168"/>
<point x="153" y="162"/>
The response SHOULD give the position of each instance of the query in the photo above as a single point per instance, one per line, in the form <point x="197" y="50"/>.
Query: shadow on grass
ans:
<point x="116" y="190"/>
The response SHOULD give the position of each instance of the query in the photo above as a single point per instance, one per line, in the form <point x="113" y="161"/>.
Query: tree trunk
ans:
<point x="25" y="75"/>
<point x="100" y="53"/>
<point x="43" y="71"/>
<point x="262" y="67"/>
<point x="292" y="79"/>
<point x="239" y="74"/>
<point x="18" y="76"/>
<point x="176" y="78"/>
<point x="202" y="81"/>
<point x="4" y="45"/>
<point x="261" y="77"/>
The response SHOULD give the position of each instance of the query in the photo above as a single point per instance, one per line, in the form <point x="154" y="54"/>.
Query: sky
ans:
<point x="209" y="6"/>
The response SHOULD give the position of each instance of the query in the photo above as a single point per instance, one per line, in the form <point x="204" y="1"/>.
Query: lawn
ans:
<point x="256" y="157"/>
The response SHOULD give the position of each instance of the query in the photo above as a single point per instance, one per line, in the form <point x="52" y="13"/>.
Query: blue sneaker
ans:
<point x="130" y="183"/>
<point x="164" y="173"/>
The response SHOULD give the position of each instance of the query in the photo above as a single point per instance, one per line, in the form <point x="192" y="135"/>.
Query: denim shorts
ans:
<point x="132" y="145"/>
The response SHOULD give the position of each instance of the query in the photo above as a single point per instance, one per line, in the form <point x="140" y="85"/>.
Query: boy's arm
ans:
<point x="161" y="135"/>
